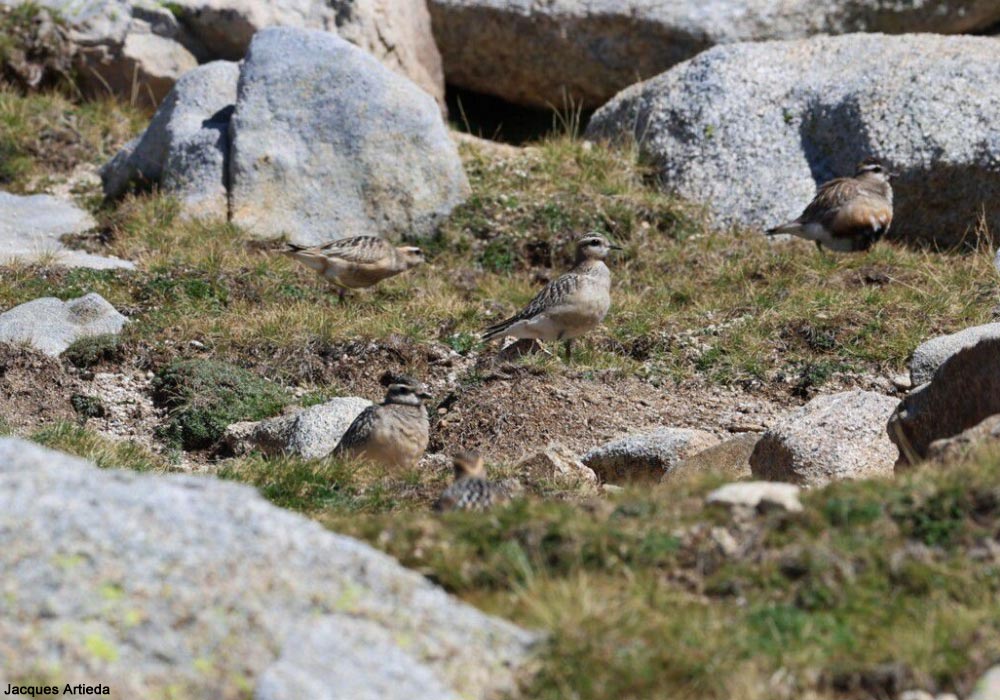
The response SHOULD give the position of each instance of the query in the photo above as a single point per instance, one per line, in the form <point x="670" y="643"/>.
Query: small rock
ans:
<point x="51" y="325"/>
<point x="311" y="433"/>
<point x="757" y="495"/>
<point x="916" y="695"/>
<point x="947" y="450"/>
<point x="964" y="391"/>
<point x="839" y="436"/>
<point x="931" y="354"/>
<point x="555" y="466"/>
<point x="902" y="382"/>
<point x="31" y="229"/>
<point x="731" y="458"/>
<point x="988" y="687"/>
<point x="647" y="455"/>
<point x="726" y="543"/>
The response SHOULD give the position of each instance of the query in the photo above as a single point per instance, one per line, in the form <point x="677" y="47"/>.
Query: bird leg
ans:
<point x="341" y="295"/>
<point x="568" y="343"/>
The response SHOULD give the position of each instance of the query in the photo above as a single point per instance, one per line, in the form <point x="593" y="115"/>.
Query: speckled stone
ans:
<point x="647" y="455"/>
<point x="833" y="437"/>
<point x="750" y="130"/>
<point x="546" y="53"/>
<point x="191" y="586"/>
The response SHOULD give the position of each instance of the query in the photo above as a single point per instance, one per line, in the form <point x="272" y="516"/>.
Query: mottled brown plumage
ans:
<point x="356" y="263"/>
<point x="393" y="434"/>
<point x="570" y="305"/>
<point x="471" y="490"/>
<point x="848" y="213"/>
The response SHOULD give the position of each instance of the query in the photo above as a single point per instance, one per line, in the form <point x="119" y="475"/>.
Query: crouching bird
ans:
<point x="356" y="263"/>
<point x="568" y="306"/>
<point x="392" y="434"/>
<point x="471" y="490"/>
<point x="848" y="213"/>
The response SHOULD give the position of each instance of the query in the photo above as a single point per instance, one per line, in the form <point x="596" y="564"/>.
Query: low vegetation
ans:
<point x="876" y="587"/>
<point x="203" y="397"/>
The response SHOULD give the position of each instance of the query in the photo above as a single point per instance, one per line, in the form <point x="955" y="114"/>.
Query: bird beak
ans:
<point x="615" y="247"/>
<point x="424" y="395"/>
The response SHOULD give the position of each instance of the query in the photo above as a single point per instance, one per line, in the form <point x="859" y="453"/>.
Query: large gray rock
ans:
<point x="31" y="229"/>
<point x="311" y="433"/>
<point x="51" y="325"/>
<point x="932" y="354"/>
<point x="833" y="437"/>
<point x="963" y="392"/>
<point x="327" y="142"/>
<point x="647" y="455"/>
<point x="159" y="585"/>
<point x="371" y="666"/>
<point x="397" y="32"/>
<point x="751" y="129"/>
<point x="185" y="148"/>
<point x="543" y="53"/>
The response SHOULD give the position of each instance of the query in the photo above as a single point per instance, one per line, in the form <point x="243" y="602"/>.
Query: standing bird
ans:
<point x="356" y="263"/>
<point x="393" y="433"/>
<point x="569" y="306"/>
<point x="849" y="213"/>
<point x="471" y="490"/>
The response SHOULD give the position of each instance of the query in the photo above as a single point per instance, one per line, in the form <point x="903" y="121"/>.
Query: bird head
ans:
<point x="406" y="395"/>
<point x="873" y="167"/>
<point x="594" y="246"/>
<point x="411" y="255"/>
<point x="468" y="464"/>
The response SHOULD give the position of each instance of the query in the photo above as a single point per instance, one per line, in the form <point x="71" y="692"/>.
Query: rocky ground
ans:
<point x="772" y="473"/>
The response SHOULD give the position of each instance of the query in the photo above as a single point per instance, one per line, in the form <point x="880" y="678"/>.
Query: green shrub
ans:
<point x="93" y="350"/>
<point x="205" y="396"/>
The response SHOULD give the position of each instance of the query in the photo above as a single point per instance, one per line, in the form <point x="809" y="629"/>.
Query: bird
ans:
<point x="568" y="306"/>
<point x="357" y="262"/>
<point x="392" y="434"/>
<point x="849" y="213"/>
<point x="471" y="490"/>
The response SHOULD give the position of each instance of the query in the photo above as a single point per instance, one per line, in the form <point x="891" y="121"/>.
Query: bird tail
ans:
<point x="497" y="330"/>
<point x="307" y="256"/>
<point x="292" y="248"/>
<point x="791" y="227"/>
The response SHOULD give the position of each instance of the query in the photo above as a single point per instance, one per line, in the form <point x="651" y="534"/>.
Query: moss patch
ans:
<point x="206" y="396"/>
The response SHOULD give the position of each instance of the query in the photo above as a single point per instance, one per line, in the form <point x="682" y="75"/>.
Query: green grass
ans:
<point x="636" y="598"/>
<point x="205" y="396"/>
<point x="640" y="603"/>
<point x="104" y="452"/>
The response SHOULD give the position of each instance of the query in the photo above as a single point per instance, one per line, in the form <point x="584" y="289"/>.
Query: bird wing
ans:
<point x="553" y="294"/>
<point x="829" y="200"/>
<point x="862" y="214"/>
<point x="358" y="432"/>
<point x="361" y="250"/>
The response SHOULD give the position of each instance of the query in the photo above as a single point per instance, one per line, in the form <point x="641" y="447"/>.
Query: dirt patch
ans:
<point x="34" y="389"/>
<point x="517" y="410"/>
<point x="129" y="413"/>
